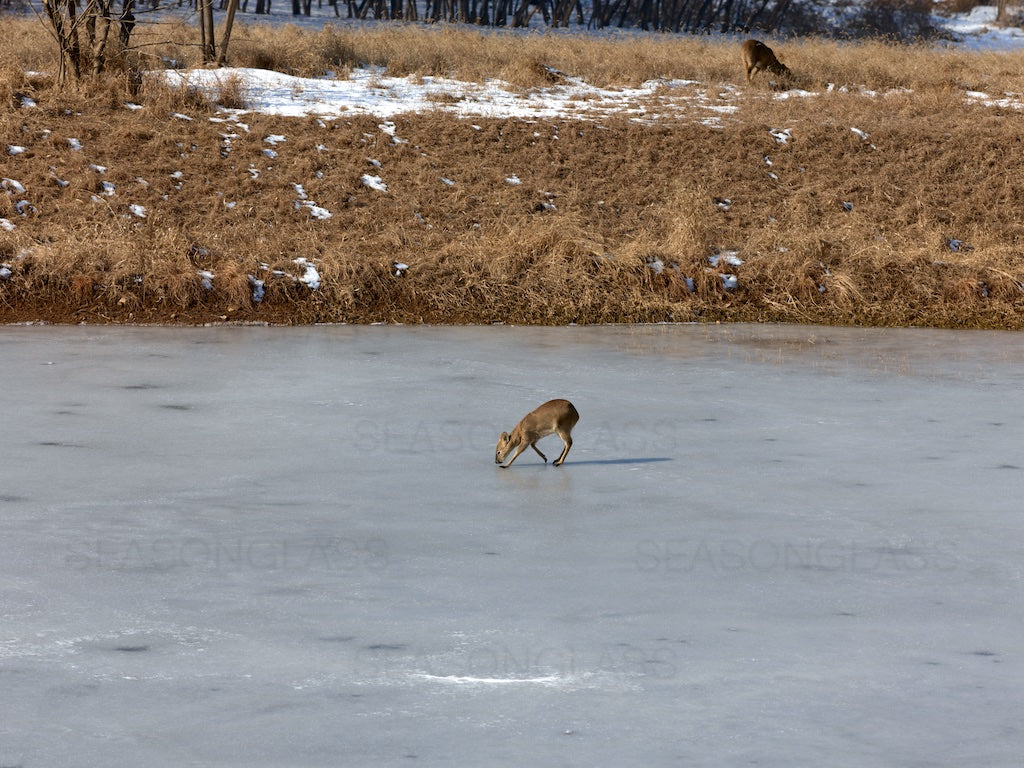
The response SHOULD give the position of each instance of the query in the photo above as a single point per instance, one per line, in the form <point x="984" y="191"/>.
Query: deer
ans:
<point x="758" y="57"/>
<point x="555" y="417"/>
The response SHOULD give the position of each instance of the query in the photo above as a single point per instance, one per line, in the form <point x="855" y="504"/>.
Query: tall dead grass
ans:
<point x="475" y="54"/>
<point x="916" y="224"/>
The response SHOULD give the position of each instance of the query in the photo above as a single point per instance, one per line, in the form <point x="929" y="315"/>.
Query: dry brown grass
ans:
<point x="573" y="243"/>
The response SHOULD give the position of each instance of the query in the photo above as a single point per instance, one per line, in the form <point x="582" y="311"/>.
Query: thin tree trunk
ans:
<point x="229" y="22"/>
<point x="99" y="43"/>
<point x="210" y="48"/>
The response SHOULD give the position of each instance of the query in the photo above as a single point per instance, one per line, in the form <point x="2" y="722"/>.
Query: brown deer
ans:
<point x="555" y="417"/>
<point x="758" y="57"/>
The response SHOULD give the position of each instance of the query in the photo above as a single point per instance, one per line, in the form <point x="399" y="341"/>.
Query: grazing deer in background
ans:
<point x="555" y="417"/>
<point x="758" y="57"/>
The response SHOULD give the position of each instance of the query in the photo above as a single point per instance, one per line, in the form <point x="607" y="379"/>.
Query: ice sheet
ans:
<point x="782" y="546"/>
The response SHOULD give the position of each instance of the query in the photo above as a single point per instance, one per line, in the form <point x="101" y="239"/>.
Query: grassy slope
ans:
<point x="625" y="194"/>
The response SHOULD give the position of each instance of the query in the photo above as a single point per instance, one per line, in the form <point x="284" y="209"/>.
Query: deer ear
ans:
<point x="504" y="436"/>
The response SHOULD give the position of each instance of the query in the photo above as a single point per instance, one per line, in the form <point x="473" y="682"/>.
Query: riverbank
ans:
<point x="884" y="199"/>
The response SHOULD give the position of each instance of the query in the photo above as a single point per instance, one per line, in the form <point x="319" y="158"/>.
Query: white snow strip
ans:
<point x="369" y="91"/>
<point x="137" y="210"/>
<point x="14" y="149"/>
<point x="12" y="185"/>
<point x="75" y="144"/>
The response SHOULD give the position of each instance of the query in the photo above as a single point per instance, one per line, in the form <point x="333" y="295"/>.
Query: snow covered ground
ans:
<point x="370" y="91"/>
<point x="374" y="92"/>
<point x="977" y="30"/>
<point x="776" y="546"/>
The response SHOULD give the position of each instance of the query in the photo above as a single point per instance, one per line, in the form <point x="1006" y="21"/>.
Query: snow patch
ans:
<point x="374" y="182"/>
<point x="259" y="290"/>
<point x="311" y="277"/>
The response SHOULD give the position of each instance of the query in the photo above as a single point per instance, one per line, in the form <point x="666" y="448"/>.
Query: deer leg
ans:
<point x="567" y="439"/>
<point x="519" y="449"/>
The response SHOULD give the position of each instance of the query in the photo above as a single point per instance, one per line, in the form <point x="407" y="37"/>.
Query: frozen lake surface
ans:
<point x="774" y="546"/>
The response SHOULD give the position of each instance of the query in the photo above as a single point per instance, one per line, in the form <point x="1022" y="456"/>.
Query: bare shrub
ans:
<point x="232" y="92"/>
